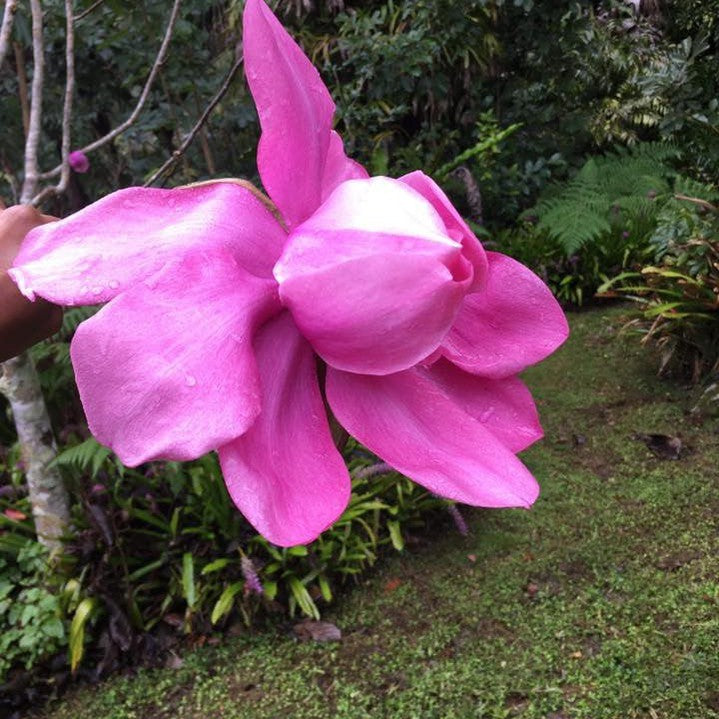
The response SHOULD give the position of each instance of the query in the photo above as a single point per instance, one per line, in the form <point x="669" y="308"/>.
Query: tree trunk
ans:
<point x="48" y="495"/>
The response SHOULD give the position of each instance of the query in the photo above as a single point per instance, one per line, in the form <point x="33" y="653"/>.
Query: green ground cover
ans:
<point x="602" y="602"/>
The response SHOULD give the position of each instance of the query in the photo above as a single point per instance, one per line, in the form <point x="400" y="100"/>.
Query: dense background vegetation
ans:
<point x="582" y="138"/>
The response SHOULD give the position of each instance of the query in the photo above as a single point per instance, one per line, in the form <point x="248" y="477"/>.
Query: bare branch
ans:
<point x="22" y="87"/>
<point x="92" y="8"/>
<point x="69" y="93"/>
<point x="38" y="76"/>
<point x="6" y="28"/>
<point x="180" y="151"/>
<point x="159" y="60"/>
<point x="67" y="107"/>
<point x="700" y="202"/>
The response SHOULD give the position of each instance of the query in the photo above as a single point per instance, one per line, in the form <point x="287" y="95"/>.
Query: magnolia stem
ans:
<point x="170" y="163"/>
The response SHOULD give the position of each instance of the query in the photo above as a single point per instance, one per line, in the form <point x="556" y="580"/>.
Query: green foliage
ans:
<point x="31" y="615"/>
<point x="483" y="150"/>
<point x="572" y="279"/>
<point x="167" y="545"/>
<point x="611" y="194"/>
<point x="669" y="97"/>
<point x="585" y="231"/>
<point x="678" y="296"/>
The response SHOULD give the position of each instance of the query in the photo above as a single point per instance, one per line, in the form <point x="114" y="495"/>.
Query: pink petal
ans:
<point x="515" y="322"/>
<point x="412" y="424"/>
<point x="339" y="167"/>
<point x="93" y="255"/>
<point x="504" y="406"/>
<point x="372" y="279"/>
<point x="299" y="159"/>
<point x="285" y="474"/>
<point x="457" y="228"/>
<point x="166" y="370"/>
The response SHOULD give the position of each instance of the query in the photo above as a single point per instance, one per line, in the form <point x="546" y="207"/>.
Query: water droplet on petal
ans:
<point x="97" y="290"/>
<point x="113" y="284"/>
<point x="190" y="381"/>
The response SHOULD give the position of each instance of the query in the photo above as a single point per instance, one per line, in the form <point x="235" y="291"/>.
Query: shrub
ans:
<point x="31" y="614"/>
<point x="585" y="231"/>
<point x="163" y="545"/>
<point x="678" y="296"/>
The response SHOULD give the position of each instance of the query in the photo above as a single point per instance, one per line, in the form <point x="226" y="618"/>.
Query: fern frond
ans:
<point x="87" y="456"/>
<point x="621" y="185"/>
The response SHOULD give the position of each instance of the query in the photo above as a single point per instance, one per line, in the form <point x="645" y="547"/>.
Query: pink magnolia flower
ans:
<point x="231" y="324"/>
<point x="78" y="161"/>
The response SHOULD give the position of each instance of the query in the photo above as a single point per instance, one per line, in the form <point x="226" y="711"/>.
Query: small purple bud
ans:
<point x="625" y="234"/>
<point x="252" y="581"/>
<point x="458" y="519"/>
<point x="78" y="161"/>
<point x="97" y="488"/>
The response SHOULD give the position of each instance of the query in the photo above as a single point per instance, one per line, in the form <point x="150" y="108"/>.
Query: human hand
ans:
<point x="22" y="323"/>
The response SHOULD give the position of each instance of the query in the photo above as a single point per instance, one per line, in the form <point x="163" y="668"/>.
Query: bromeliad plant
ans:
<point x="237" y="322"/>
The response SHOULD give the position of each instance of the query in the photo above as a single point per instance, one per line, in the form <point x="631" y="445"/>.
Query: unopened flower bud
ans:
<point x="78" y="161"/>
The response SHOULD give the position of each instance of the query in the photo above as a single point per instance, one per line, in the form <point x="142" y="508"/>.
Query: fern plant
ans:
<point x="614" y="194"/>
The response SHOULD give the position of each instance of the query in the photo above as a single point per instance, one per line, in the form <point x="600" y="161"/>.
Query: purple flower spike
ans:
<point x="252" y="580"/>
<point x="459" y="521"/>
<point x="222" y="304"/>
<point x="78" y="161"/>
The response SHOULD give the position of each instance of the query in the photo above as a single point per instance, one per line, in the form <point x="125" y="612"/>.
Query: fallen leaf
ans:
<point x="15" y="514"/>
<point x="674" y="561"/>
<point x="310" y="630"/>
<point x="662" y="445"/>
<point x="392" y="584"/>
<point x="472" y="557"/>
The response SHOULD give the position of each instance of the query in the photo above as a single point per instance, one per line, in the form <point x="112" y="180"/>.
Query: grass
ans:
<point x="600" y="603"/>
